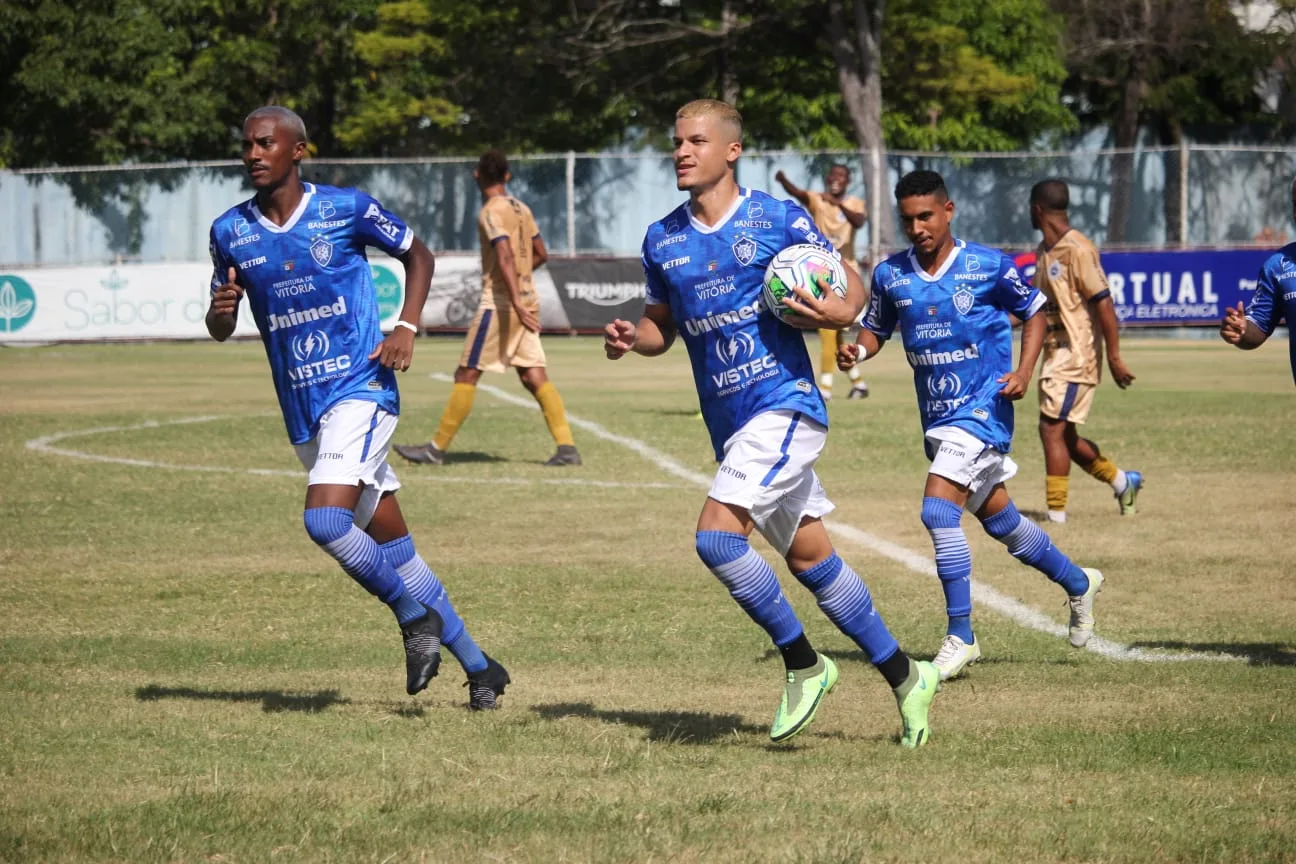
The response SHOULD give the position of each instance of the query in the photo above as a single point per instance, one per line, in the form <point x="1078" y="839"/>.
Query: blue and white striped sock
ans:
<point x="845" y="599"/>
<point x="751" y="581"/>
<point x="425" y="587"/>
<point x="334" y="530"/>
<point x="953" y="563"/>
<point x="1028" y="543"/>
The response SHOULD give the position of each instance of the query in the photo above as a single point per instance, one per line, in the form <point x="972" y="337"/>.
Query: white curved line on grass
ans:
<point x="1014" y="610"/>
<point x="45" y="444"/>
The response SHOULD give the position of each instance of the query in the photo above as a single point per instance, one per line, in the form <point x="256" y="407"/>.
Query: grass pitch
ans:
<point x="185" y="677"/>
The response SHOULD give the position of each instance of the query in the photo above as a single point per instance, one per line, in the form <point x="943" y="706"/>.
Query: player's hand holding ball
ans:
<point x="805" y="286"/>
<point x="618" y="339"/>
<point x="225" y="299"/>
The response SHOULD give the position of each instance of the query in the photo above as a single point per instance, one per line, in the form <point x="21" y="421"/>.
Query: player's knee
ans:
<point x="938" y="513"/>
<point x="717" y="548"/>
<point x="1003" y="525"/>
<point x="327" y="525"/>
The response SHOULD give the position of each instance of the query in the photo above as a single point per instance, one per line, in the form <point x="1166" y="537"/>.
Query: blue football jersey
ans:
<point x="1275" y="296"/>
<point x="312" y="296"/>
<point x="745" y="361"/>
<point x="956" y="334"/>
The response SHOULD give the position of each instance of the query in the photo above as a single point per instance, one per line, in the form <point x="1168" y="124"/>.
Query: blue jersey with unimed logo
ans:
<point x="1275" y="296"/>
<point x="312" y="296"/>
<point x="745" y="361"/>
<point x="956" y="334"/>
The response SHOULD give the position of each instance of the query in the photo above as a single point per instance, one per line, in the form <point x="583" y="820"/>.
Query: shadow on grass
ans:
<point x="1255" y="653"/>
<point x="670" y="412"/>
<point x="271" y="700"/>
<point x="676" y="727"/>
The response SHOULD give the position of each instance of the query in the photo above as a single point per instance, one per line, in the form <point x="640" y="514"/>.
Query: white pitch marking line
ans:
<point x="45" y="444"/>
<point x="1014" y="610"/>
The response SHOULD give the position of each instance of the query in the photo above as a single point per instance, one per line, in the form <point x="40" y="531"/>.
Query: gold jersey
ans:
<point x="504" y="216"/>
<point x="833" y="224"/>
<point x="1070" y="275"/>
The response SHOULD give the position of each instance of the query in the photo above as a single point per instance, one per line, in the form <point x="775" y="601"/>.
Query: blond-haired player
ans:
<point x="838" y="217"/>
<point x="506" y="330"/>
<point x="704" y="264"/>
<point x="1081" y="319"/>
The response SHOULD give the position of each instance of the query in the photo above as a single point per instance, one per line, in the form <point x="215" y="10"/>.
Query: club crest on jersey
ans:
<point x="326" y="209"/>
<point x="963" y="300"/>
<point x="744" y="249"/>
<point x="322" y="251"/>
<point x="1055" y="270"/>
<point x="241" y="226"/>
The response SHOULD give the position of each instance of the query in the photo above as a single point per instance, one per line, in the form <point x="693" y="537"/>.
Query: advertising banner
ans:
<point x="1176" y="287"/>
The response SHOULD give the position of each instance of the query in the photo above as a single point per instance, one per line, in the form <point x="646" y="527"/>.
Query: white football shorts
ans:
<point x="962" y="458"/>
<point x="768" y="469"/>
<point x="351" y="447"/>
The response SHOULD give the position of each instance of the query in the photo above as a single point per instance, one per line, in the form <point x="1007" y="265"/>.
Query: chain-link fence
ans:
<point x="601" y="203"/>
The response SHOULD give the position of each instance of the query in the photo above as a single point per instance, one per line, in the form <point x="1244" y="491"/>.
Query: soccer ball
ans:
<point x="797" y="265"/>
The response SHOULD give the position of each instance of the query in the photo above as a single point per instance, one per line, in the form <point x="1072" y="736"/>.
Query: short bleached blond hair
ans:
<point x="721" y="111"/>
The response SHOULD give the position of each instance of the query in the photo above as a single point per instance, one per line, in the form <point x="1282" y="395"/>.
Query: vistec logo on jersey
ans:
<point x="737" y="347"/>
<point x="945" y="390"/>
<point x="736" y="353"/>
<point x="311" y="346"/>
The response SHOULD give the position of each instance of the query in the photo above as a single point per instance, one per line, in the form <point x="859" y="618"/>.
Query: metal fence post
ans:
<point x="1183" y="193"/>
<point x="571" y="202"/>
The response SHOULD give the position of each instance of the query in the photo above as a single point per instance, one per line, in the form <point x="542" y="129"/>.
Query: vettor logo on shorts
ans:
<point x="17" y="304"/>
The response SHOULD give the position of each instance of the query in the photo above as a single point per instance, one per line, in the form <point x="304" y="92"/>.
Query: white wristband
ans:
<point x="408" y="326"/>
<point x="863" y="352"/>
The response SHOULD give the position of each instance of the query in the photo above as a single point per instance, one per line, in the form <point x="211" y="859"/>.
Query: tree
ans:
<point x="1163" y="66"/>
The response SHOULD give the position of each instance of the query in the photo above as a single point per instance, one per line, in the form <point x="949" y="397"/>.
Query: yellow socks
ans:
<point x="551" y="405"/>
<point x="455" y="413"/>
<point x="1103" y="469"/>
<point x="827" y="355"/>
<point x="1055" y="493"/>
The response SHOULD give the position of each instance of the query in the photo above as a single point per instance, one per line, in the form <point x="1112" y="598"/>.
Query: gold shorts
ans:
<point x="497" y="340"/>
<point x="1065" y="400"/>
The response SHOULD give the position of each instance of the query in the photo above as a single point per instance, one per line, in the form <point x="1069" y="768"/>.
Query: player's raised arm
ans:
<point x="854" y="217"/>
<point x="792" y="189"/>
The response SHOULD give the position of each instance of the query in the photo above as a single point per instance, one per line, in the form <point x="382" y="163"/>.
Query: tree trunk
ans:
<point x="728" y="77"/>
<point x="1170" y="134"/>
<point x="857" y="49"/>
<point x="1127" y="129"/>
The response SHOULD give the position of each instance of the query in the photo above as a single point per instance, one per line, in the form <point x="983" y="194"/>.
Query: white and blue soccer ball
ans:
<point x="798" y="265"/>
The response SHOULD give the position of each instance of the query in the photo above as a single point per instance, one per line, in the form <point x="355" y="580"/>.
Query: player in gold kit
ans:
<point x="1081" y="320"/>
<point x="506" y="329"/>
